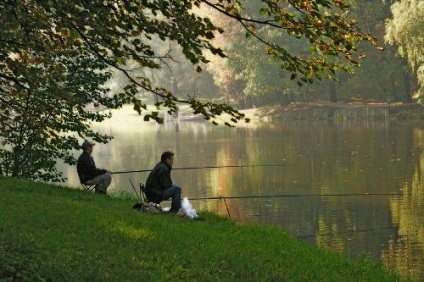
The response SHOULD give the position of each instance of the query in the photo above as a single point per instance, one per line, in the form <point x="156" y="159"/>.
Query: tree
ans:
<point x="380" y="77"/>
<point x="406" y="29"/>
<point x="263" y="81"/>
<point x="55" y="57"/>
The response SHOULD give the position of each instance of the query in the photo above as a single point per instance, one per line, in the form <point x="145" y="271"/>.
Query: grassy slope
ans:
<point x="51" y="232"/>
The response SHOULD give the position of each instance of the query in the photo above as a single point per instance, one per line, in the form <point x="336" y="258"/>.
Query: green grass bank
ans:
<point x="52" y="233"/>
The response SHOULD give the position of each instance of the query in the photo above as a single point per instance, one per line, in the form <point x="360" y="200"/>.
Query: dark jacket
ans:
<point x="86" y="168"/>
<point x="158" y="180"/>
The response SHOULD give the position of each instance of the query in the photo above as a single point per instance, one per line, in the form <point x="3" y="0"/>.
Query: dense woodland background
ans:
<point x="248" y="79"/>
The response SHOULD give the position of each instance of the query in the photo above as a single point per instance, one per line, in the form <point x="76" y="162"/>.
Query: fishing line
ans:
<point x="224" y="198"/>
<point x="199" y="167"/>
<point x="296" y="196"/>
<point x="305" y="237"/>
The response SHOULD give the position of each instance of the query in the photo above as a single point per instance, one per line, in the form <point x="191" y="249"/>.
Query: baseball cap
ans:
<point x="87" y="144"/>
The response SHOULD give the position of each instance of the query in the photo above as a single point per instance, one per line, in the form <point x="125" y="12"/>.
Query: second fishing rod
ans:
<point x="201" y="167"/>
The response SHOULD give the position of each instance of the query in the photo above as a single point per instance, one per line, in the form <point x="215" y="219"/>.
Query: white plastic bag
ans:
<point x="187" y="209"/>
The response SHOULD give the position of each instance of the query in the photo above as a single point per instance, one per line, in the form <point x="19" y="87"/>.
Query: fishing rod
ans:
<point x="296" y="196"/>
<point x="139" y="196"/>
<point x="224" y="198"/>
<point x="199" y="167"/>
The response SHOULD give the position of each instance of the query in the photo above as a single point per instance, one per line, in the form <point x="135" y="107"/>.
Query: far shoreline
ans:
<point x="314" y="111"/>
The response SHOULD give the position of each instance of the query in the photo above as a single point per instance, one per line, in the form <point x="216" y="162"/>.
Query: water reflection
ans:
<point x="375" y="167"/>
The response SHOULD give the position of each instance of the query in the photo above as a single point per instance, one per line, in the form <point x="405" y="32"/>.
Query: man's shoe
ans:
<point x="172" y="210"/>
<point x="100" y="192"/>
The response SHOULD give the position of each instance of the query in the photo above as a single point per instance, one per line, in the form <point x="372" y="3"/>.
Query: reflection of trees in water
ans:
<point x="377" y="164"/>
<point x="222" y="180"/>
<point x="354" y="225"/>
<point x="406" y="252"/>
<point x="326" y="160"/>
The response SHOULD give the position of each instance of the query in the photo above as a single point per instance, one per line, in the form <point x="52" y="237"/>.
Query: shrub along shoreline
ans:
<point x="52" y="233"/>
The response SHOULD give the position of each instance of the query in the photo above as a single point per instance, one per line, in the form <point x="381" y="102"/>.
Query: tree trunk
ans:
<point x="332" y="91"/>
<point x="395" y="97"/>
<point x="407" y="89"/>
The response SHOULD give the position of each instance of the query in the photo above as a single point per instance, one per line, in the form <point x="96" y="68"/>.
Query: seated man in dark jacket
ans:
<point x="89" y="174"/>
<point x="159" y="185"/>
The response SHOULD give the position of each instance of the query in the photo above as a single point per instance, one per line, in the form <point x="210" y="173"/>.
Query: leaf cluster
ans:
<point x="323" y="25"/>
<point x="55" y="57"/>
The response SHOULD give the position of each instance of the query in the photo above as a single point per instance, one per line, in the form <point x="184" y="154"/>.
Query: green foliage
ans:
<point x="382" y="76"/>
<point x="325" y="26"/>
<point x="45" y="114"/>
<point x="73" y="235"/>
<point x="56" y="57"/>
<point x="406" y="30"/>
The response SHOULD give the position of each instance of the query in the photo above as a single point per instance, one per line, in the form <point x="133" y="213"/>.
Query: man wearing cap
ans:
<point x="89" y="174"/>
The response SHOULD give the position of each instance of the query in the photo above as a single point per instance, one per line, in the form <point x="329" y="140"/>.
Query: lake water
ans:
<point x="353" y="188"/>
